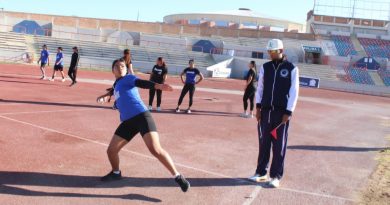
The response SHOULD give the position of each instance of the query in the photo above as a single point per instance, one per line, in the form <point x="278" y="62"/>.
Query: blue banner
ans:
<point x="312" y="49"/>
<point x="309" y="82"/>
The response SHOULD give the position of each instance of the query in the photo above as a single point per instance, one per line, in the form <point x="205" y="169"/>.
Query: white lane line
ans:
<point x="317" y="194"/>
<point x="178" y="164"/>
<point x="253" y="195"/>
<point x="51" y="111"/>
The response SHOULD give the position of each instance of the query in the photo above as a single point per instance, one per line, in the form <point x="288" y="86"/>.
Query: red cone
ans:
<point x="274" y="134"/>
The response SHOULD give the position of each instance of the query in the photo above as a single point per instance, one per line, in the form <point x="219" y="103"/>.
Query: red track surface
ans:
<point x="53" y="141"/>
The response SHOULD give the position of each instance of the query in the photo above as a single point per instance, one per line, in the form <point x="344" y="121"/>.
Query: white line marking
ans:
<point x="316" y="194"/>
<point x="178" y="164"/>
<point x="50" y="111"/>
<point x="253" y="195"/>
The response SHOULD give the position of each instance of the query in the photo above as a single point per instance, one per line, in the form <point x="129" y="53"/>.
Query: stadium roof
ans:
<point x="245" y="13"/>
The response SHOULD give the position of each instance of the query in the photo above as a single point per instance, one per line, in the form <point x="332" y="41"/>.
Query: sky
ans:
<point x="155" y="10"/>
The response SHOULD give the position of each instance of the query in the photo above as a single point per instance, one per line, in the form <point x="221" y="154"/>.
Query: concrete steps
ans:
<point x="376" y="78"/>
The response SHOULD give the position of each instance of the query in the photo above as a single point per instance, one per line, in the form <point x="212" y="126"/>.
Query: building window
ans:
<point x="194" y="22"/>
<point x="221" y="23"/>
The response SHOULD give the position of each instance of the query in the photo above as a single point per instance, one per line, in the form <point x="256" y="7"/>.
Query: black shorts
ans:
<point x="142" y="123"/>
<point x="58" y="67"/>
<point x="43" y="65"/>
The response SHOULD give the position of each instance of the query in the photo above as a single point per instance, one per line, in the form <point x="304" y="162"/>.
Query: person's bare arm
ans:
<point x="181" y="77"/>
<point x="131" y="71"/>
<point x="201" y="77"/>
<point x="165" y="76"/>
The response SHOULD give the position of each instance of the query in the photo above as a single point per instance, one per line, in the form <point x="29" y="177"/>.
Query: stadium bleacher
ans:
<point x="376" y="47"/>
<point x="385" y="76"/>
<point x="358" y="75"/>
<point x="344" y="45"/>
<point x="12" y="41"/>
<point x="110" y="51"/>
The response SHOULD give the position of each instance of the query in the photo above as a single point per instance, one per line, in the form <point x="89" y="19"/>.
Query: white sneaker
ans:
<point x="250" y="116"/>
<point x="274" y="183"/>
<point x="188" y="111"/>
<point x="158" y="109"/>
<point x="43" y="78"/>
<point x="63" y="80"/>
<point x="150" y="108"/>
<point x="244" y="115"/>
<point x="51" y="79"/>
<point x="258" y="178"/>
<point x="177" y="110"/>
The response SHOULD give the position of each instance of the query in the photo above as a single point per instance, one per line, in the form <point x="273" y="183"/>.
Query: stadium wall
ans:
<point x="72" y="24"/>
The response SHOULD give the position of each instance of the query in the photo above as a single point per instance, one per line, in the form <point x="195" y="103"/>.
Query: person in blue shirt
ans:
<point x="135" y="118"/>
<point x="189" y="84"/>
<point x="59" y="65"/>
<point x="44" y="60"/>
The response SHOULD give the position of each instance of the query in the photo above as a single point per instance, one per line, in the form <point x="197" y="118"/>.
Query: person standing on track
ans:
<point x="276" y="99"/>
<point x="158" y="75"/>
<point x="135" y="118"/>
<point x="250" y="90"/>
<point x="59" y="65"/>
<point x="72" y="72"/>
<point x="127" y="58"/>
<point x="189" y="84"/>
<point x="45" y="60"/>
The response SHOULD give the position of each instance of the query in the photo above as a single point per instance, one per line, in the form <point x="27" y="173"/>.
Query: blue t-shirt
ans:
<point x="58" y="58"/>
<point x="128" y="100"/>
<point x="191" y="75"/>
<point x="44" y="56"/>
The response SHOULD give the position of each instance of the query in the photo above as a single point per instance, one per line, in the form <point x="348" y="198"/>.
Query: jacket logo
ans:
<point x="284" y="73"/>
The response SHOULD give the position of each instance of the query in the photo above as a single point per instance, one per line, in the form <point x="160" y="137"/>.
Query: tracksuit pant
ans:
<point x="270" y="119"/>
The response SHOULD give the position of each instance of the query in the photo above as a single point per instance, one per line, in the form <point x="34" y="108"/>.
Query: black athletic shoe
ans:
<point x="111" y="177"/>
<point x="183" y="183"/>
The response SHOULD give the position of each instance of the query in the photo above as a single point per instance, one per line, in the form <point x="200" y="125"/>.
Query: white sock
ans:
<point x="177" y="175"/>
<point x="116" y="172"/>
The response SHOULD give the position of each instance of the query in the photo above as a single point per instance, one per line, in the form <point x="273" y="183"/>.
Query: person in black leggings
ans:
<point x="189" y="84"/>
<point x="250" y="90"/>
<point x="72" y="72"/>
<point x="158" y="75"/>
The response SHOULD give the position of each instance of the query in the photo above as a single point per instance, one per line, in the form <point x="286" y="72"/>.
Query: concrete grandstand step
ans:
<point x="358" y="47"/>
<point x="376" y="78"/>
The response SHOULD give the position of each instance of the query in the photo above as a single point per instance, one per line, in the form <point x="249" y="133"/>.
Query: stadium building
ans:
<point x="242" y="18"/>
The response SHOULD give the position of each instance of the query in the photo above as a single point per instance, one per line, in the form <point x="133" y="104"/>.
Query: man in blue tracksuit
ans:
<point x="276" y="99"/>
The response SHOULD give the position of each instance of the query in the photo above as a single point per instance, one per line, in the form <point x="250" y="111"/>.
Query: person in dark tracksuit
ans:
<point x="276" y="99"/>
<point x="250" y="90"/>
<point x="72" y="72"/>
<point x="189" y="84"/>
<point x="158" y="75"/>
